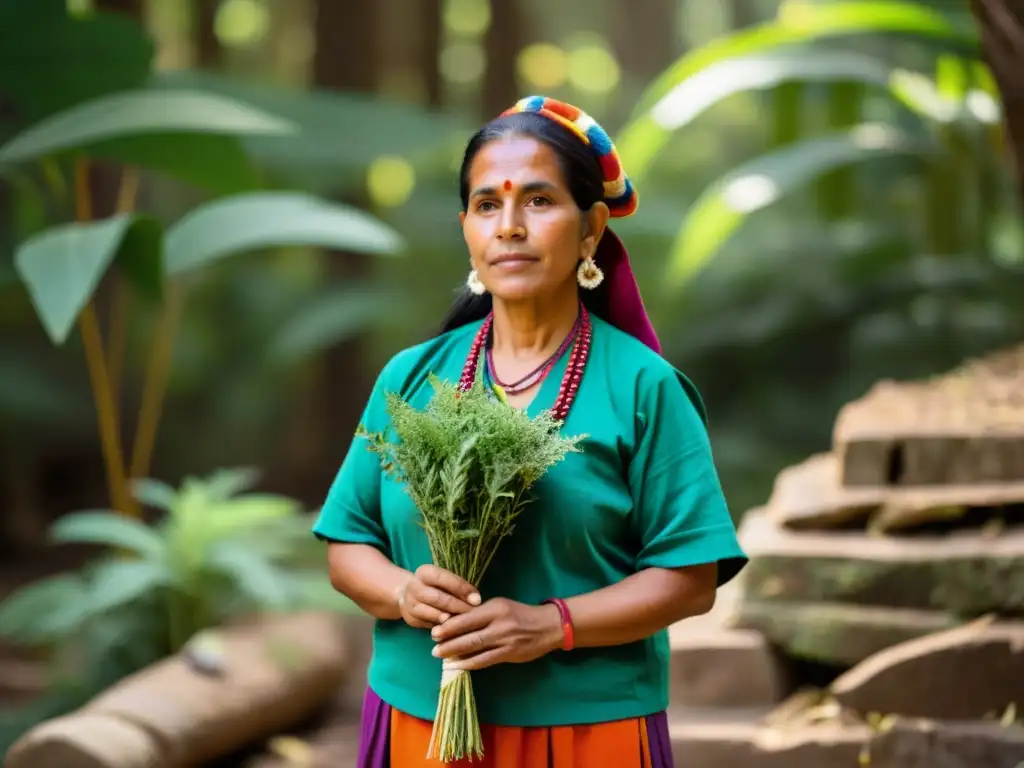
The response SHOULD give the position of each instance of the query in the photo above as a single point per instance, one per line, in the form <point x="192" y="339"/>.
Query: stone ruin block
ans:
<point x="810" y="496"/>
<point x="729" y="669"/>
<point x="968" y="673"/>
<point x="814" y="732"/>
<point x="966" y="427"/>
<point x="715" y="666"/>
<point x="967" y="573"/>
<point x="835" y="634"/>
<point x="733" y="744"/>
<point x="930" y="744"/>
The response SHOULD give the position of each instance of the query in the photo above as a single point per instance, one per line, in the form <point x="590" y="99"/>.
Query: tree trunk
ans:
<point x="646" y="43"/>
<point x="504" y="40"/>
<point x="209" y="54"/>
<point x="430" y="51"/>
<point x="346" y="59"/>
<point x="1001" y="23"/>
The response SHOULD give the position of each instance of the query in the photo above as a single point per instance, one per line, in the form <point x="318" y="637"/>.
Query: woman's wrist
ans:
<point x="559" y="626"/>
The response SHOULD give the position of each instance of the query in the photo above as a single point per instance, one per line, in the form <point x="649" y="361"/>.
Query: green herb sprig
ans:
<point x="468" y="461"/>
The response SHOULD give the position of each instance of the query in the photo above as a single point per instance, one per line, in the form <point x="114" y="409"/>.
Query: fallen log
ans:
<point x="272" y="673"/>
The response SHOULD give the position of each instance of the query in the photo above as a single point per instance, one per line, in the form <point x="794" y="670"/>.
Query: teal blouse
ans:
<point x="643" y="493"/>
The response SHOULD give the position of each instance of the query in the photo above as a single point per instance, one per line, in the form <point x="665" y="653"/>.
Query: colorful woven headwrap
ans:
<point x="619" y="194"/>
<point x="626" y="307"/>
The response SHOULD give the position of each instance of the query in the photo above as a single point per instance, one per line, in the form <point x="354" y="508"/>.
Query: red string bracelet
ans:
<point x="568" y="636"/>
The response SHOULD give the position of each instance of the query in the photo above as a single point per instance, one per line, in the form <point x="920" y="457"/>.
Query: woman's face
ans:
<point x="524" y="232"/>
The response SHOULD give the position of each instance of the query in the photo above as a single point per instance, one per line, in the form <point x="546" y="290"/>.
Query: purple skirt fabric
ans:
<point x="375" y="736"/>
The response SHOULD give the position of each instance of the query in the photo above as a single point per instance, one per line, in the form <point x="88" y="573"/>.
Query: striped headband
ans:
<point x="619" y="193"/>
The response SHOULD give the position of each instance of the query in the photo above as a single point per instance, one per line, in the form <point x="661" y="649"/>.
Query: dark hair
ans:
<point x="582" y="173"/>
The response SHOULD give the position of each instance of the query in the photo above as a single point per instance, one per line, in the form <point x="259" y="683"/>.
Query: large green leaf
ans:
<point x="215" y="163"/>
<point x="251" y="573"/>
<point x="154" y="493"/>
<point x="267" y="219"/>
<point x="803" y="22"/>
<point x="140" y="112"/>
<point x="235" y="517"/>
<point x="44" y="610"/>
<point x="643" y="138"/>
<point x="62" y="266"/>
<point x="117" y="582"/>
<point x="341" y="133"/>
<point x="929" y="97"/>
<point x="51" y="61"/>
<point x="188" y="134"/>
<point x="724" y="206"/>
<point x="109" y="529"/>
<point x="228" y="482"/>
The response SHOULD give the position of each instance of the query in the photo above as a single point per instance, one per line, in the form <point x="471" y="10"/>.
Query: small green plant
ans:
<point x="217" y="552"/>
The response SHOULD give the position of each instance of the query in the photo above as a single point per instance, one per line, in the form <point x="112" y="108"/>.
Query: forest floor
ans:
<point x="330" y="740"/>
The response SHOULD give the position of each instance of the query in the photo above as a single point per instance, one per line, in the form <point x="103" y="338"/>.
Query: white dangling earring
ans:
<point x="588" y="274"/>
<point x="473" y="282"/>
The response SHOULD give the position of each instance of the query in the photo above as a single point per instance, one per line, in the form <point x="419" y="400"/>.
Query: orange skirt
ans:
<point x="634" y="743"/>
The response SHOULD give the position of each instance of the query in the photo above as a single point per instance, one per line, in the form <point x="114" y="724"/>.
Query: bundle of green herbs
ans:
<point x="468" y="461"/>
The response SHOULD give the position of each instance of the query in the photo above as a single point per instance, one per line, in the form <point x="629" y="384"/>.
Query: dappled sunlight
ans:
<point x="242" y="23"/>
<point x="748" y="193"/>
<point x="543" y="65"/>
<point x="390" y="180"/>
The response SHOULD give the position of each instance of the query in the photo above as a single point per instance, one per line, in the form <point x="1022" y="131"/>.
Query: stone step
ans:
<point x="964" y="427"/>
<point x="714" y="665"/>
<point x="729" y="742"/>
<point x="725" y="668"/>
<point x="837" y="634"/>
<point x="811" y="496"/>
<point x="732" y="744"/>
<point x="968" y="573"/>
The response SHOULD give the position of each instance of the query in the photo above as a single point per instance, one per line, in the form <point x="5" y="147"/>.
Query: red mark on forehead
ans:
<point x="508" y="185"/>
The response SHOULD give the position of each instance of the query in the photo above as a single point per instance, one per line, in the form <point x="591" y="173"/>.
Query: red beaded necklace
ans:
<point x="539" y="373"/>
<point x="573" y="371"/>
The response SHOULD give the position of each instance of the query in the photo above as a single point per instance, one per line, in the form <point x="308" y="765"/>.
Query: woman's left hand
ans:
<point x="499" y="630"/>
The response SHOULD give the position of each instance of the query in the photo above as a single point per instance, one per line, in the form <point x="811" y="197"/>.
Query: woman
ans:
<point x="566" y="635"/>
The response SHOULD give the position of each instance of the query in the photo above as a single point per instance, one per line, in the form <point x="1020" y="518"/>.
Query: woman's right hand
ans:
<point x="432" y="595"/>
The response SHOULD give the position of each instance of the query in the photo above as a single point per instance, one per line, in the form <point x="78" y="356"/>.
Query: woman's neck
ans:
<point x="524" y="330"/>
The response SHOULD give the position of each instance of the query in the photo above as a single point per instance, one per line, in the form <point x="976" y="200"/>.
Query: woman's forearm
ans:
<point x="366" y="577"/>
<point x="642" y="604"/>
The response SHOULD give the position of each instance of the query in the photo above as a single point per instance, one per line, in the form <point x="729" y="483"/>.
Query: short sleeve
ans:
<point x="681" y="515"/>
<point x="351" y="511"/>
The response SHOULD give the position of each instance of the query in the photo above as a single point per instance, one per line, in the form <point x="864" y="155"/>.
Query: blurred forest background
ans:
<point x="828" y="199"/>
<point x="828" y="202"/>
<point x="889" y="244"/>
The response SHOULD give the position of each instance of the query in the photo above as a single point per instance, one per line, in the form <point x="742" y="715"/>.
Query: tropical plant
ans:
<point x="812" y="268"/>
<point x="934" y="121"/>
<point x="217" y="552"/>
<point x="196" y="136"/>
